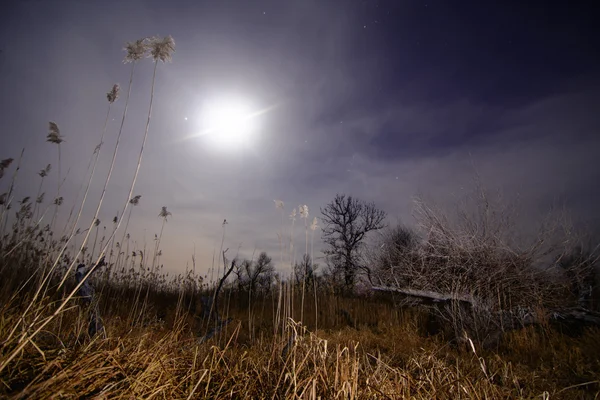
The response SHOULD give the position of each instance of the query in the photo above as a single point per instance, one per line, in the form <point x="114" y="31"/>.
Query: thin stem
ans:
<point x="57" y="192"/>
<point x="10" y="193"/>
<point x="221" y="251"/>
<point x="103" y="251"/>
<point x="158" y="243"/>
<point x="94" y="247"/>
<point x="139" y="163"/>
<point x="39" y="193"/>
<point x="305" y="268"/>
<point x="124" y="233"/>
<point x="88" y="169"/>
<point x="112" y="166"/>
<point x="312" y="264"/>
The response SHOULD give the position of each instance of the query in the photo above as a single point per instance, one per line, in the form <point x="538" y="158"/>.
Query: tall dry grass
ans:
<point x="384" y="351"/>
<point x="385" y="361"/>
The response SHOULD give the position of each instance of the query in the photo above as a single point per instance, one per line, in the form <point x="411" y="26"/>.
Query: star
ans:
<point x="185" y="118"/>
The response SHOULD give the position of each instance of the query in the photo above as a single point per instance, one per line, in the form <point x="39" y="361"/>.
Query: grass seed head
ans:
<point x="6" y="163"/>
<point x="54" y="133"/>
<point x="113" y="95"/>
<point x="161" y="49"/>
<point x="279" y="204"/>
<point x="314" y="225"/>
<point x="135" y="50"/>
<point x="136" y="200"/>
<point x="164" y="213"/>
<point x="303" y="211"/>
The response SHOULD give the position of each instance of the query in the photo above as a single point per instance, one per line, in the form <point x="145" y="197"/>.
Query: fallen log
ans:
<point x="427" y="295"/>
<point x="503" y="320"/>
<point x="576" y="314"/>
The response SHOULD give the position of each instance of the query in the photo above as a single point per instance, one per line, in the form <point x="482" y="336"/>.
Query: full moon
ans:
<point x="229" y="123"/>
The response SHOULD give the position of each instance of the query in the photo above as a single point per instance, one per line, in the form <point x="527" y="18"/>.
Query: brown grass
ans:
<point x="388" y="359"/>
<point x="367" y="346"/>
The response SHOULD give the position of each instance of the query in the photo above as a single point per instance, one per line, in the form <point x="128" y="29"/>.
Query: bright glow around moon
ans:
<point x="229" y="123"/>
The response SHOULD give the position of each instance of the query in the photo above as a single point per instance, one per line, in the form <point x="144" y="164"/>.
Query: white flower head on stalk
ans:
<point x="279" y="204"/>
<point x="161" y="49"/>
<point x="303" y="211"/>
<point x="135" y="50"/>
<point x="314" y="225"/>
<point x="293" y="215"/>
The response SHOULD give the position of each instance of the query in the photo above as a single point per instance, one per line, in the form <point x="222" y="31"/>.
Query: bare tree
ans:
<point x="394" y="255"/>
<point x="240" y="273"/>
<point x="255" y="275"/>
<point x="304" y="270"/>
<point x="261" y="275"/>
<point x="346" y="221"/>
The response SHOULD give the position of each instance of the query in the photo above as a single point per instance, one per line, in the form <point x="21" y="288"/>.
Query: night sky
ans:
<point x="384" y="100"/>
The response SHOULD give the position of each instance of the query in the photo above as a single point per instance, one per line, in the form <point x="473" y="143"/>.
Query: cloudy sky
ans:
<point x="383" y="100"/>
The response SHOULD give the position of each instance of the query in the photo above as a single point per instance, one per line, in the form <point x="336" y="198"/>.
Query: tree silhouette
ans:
<point x="346" y="221"/>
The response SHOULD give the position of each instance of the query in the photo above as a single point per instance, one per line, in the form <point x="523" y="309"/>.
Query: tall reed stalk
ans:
<point x="304" y="215"/>
<point x="313" y="228"/>
<point x="55" y="137"/>
<point x="9" y="195"/>
<point x="159" y="50"/>
<point x="135" y="51"/>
